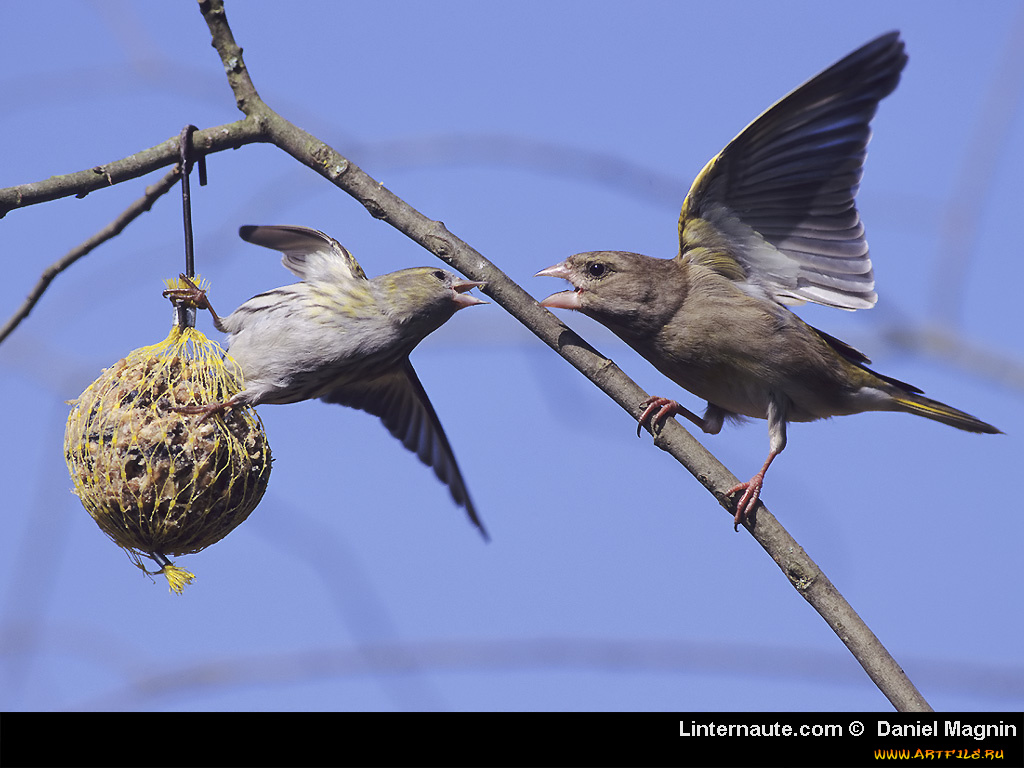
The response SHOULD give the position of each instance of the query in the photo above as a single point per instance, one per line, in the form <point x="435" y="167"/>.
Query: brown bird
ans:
<point x="770" y="221"/>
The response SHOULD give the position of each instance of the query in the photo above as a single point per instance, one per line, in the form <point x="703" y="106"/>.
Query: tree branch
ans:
<point x="803" y="573"/>
<point x="230" y="136"/>
<point x="262" y="124"/>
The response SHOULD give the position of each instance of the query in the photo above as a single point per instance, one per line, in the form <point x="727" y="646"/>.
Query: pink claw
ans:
<point x="662" y="405"/>
<point x="751" y="493"/>
<point x="746" y="503"/>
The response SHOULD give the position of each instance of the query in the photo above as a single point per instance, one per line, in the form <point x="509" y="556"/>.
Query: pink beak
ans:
<point x="463" y="299"/>
<point x="563" y="299"/>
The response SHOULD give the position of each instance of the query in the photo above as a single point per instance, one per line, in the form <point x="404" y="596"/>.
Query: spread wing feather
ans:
<point x="782" y="192"/>
<point x="401" y="403"/>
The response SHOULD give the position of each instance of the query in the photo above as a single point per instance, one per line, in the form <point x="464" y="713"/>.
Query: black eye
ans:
<point x="596" y="269"/>
<point x="439" y="274"/>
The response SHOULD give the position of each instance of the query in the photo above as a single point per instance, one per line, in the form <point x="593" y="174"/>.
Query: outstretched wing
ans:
<point x="401" y="403"/>
<point x="779" y="199"/>
<point x="308" y="253"/>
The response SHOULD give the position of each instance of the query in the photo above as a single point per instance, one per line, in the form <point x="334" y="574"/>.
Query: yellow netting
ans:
<point x="158" y="481"/>
<point x="177" y="578"/>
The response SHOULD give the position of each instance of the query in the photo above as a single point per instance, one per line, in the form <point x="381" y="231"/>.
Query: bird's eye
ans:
<point x="596" y="269"/>
<point x="439" y="274"/>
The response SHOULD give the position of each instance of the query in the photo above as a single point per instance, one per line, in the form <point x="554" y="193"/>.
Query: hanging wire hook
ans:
<point x="186" y="313"/>
<point x="186" y="202"/>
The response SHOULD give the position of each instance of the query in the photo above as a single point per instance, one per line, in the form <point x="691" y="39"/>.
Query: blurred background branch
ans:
<point x="146" y="682"/>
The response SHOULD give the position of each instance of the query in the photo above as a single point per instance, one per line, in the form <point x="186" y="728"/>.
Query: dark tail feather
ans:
<point x="933" y="409"/>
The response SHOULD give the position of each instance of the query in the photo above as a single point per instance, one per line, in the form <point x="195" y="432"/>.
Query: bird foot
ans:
<point x="191" y="294"/>
<point x="663" y="408"/>
<point x="748" y="501"/>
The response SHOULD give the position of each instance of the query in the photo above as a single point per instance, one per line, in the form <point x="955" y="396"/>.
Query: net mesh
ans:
<point x="156" y="480"/>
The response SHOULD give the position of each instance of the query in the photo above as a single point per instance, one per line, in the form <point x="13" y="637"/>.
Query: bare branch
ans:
<point x="803" y="573"/>
<point x="166" y="153"/>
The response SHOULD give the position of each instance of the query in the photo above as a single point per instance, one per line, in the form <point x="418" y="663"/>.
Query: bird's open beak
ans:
<point x="462" y="298"/>
<point x="563" y="299"/>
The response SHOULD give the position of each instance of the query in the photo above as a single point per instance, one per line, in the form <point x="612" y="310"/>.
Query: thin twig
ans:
<point x="113" y="229"/>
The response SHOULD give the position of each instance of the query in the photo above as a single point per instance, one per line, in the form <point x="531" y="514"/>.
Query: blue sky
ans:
<point x="613" y="580"/>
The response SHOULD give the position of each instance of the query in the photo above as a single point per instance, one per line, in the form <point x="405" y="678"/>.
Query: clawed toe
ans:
<point x="190" y="294"/>
<point x="746" y="503"/>
<point x="656" y="410"/>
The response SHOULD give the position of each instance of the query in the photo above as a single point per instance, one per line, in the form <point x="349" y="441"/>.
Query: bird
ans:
<point x="770" y="222"/>
<point x="343" y="338"/>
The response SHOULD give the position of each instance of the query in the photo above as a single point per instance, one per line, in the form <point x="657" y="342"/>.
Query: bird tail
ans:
<point x="911" y="402"/>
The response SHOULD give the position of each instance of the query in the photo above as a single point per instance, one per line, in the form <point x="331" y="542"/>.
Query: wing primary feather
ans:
<point x="400" y="401"/>
<point x="782" y="193"/>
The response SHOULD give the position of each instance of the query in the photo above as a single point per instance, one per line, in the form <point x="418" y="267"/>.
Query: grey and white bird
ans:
<point x="343" y="338"/>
